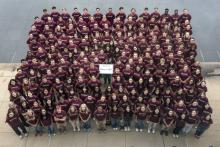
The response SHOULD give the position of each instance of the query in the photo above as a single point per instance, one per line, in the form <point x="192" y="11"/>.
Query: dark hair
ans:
<point x="146" y="8"/>
<point x="97" y="8"/>
<point x="44" y="10"/>
<point x="120" y="8"/>
<point x="85" y="9"/>
<point x="36" y="17"/>
<point x="75" y="8"/>
<point x="54" y="7"/>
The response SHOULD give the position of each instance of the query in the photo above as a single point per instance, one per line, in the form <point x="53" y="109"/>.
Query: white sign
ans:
<point x="106" y="68"/>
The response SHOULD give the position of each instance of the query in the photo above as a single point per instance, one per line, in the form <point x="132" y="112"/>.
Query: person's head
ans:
<point x="102" y="98"/>
<point x="143" y="108"/>
<point x="72" y="108"/>
<point x="58" y="108"/>
<point x="76" y="9"/>
<point x="208" y="117"/>
<point x="128" y="109"/>
<point x="181" y="103"/>
<point x="43" y="111"/>
<point x="121" y="9"/>
<point x="176" y="11"/>
<point x="83" y="107"/>
<point x="183" y="116"/>
<point x="11" y="114"/>
<point x="115" y="108"/>
<point x="193" y="113"/>
<point x="166" y="11"/>
<point x="156" y="9"/>
<point x="35" y="104"/>
<point x="185" y="11"/>
<point x="98" y="10"/>
<point x="99" y="109"/>
<point x="170" y="113"/>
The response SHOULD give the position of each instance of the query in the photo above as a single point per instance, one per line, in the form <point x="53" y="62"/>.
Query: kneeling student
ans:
<point x="16" y="124"/>
<point x="100" y="118"/>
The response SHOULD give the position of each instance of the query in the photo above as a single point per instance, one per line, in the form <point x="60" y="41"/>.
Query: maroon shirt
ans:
<point x="100" y="116"/>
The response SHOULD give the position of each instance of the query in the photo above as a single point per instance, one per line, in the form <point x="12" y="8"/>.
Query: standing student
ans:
<point x="16" y="124"/>
<point x="141" y="116"/>
<point x="33" y="120"/>
<point x="180" y="123"/>
<point x="167" y="122"/>
<point x="154" y="119"/>
<point x="100" y="117"/>
<point x="191" y="120"/>
<point x="127" y="117"/>
<point x="85" y="117"/>
<point x="46" y="121"/>
<point x="74" y="118"/>
<point x="60" y="118"/>
<point x="203" y="125"/>
<point x="115" y="117"/>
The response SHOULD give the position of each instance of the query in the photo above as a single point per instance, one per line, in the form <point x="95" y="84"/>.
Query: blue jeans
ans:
<point x="114" y="122"/>
<point x="86" y="125"/>
<point x="201" y="129"/>
<point x="50" y="129"/>
<point x="140" y="124"/>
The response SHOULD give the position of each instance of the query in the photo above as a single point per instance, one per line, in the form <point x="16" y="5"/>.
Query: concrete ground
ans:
<point x="109" y="139"/>
<point x="17" y="16"/>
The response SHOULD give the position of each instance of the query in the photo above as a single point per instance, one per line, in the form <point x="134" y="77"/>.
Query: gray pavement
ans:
<point x="17" y="16"/>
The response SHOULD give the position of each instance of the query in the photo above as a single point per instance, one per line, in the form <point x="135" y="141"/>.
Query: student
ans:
<point x="127" y="117"/>
<point x="115" y="117"/>
<point x="167" y="122"/>
<point x="204" y="124"/>
<point x="15" y="123"/>
<point x="100" y="117"/>
<point x="154" y="120"/>
<point x="85" y="117"/>
<point x="191" y="120"/>
<point x="180" y="123"/>
<point x="141" y="116"/>
<point x="60" y="118"/>
<point x="33" y="121"/>
<point x="46" y="121"/>
<point x="74" y="118"/>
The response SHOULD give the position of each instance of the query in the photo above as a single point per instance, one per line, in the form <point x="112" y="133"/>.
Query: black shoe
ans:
<point x="166" y="133"/>
<point x="161" y="132"/>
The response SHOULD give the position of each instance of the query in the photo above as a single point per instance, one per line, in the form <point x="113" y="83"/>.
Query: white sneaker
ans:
<point x="128" y="128"/>
<point x="25" y="134"/>
<point x="153" y="131"/>
<point x="148" y="131"/>
<point x="137" y="130"/>
<point x="177" y="136"/>
<point x="78" y="129"/>
<point x="74" y="130"/>
<point x="54" y="134"/>
<point x="116" y="129"/>
<point x="141" y="130"/>
<point x="174" y="136"/>
<point x="20" y="136"/>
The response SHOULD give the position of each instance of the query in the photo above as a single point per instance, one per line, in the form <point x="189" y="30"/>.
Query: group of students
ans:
<point x="157" y="83"/>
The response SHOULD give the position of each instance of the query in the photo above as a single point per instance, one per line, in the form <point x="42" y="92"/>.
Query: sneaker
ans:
<point x="153" y="131"/>
<point x="141" y="130"/>
<point x="148" y="131"/>
<point x="78" y="129"/>
<point x="174" y="136"/>
<point x="25" y="134"/>
<point x="116" y="129"/>
<point x="177" y="136"/>
<point x="137" y="130"/>
<point x="49" y="135"/>
<point x="166" y="133"/>
<point x="74" y="130"/>
<point x="54" y="134"/>
<point x="128" y="129"/>
<point x="20" y="136"/>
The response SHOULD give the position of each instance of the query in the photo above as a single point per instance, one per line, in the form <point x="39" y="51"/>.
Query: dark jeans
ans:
<point x="107" y="79"/>
<point x="114" y="123"/>
<point x="140" y="124"/>
<point x="201" y="129"/>
<point x="86" y="125"/>
<point x="127" y="122"/>
<point x="177" y="130"/>
<point x="17" y="131"/>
